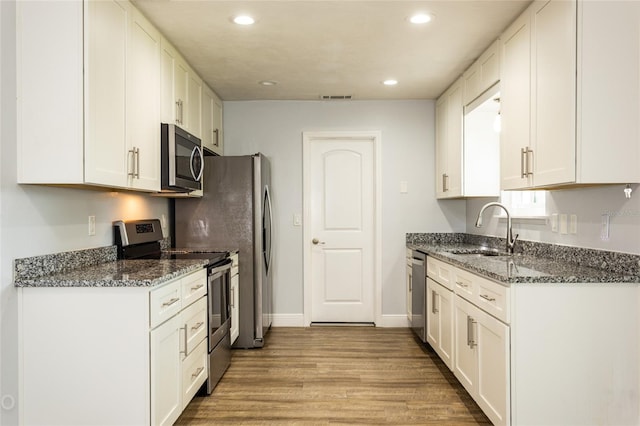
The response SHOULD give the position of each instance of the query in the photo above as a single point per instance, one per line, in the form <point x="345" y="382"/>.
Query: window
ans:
<point x="524" y="203"/>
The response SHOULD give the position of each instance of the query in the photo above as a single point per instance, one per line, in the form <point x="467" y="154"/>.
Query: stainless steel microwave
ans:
<point x="182" y="159"/>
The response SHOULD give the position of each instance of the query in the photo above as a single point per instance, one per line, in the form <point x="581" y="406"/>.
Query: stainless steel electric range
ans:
<point x="142" y="239"/>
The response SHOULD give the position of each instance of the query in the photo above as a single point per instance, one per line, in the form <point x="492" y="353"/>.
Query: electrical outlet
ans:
<point x="554" y="222"/>
<point x="604" y="227"/>
<point x="573" y="224"/>
<point x="563" y="223"/>
<point x="404" y="187"/>
<point x="92" y="225"/>
<point x="297" y="219"/>
<point x="163" y="221"/>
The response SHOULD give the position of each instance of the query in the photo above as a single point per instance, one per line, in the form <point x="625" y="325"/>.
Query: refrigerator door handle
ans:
<point x="267" y="197"/>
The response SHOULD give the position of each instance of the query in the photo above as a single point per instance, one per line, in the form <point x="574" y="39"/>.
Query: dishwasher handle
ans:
<point x="419" y="262"/>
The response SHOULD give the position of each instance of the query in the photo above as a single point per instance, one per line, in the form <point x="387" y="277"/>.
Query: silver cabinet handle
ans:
<point x="197" y="326"/>
<point x="197" y="373"/>
<point x="529" y="162"/>
<point x="217" y="136"/>
<point x="178" y="111"/>
<point x="170" y="302"/>
<point x="137" y="155"/>
<point x="433" y="302"/>
<point x="316" y="241"/>
<point x="233" y="301"/>
<point x="196" y="288"/>
<point x="186" y="340"/>
<point x="488" y="298"/>
<point x="461" y="284"/>
<point x="133" y="162"/>
<point x="523" y="155"/>
<point x="470" y="338"/>
<point x="445" y="182"/>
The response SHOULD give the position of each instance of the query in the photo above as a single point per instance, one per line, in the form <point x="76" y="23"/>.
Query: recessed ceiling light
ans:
<point x="243" y="20"/>
<point x="420" y="18"/>
<point x="268" y="83"/>
<point x="390" y="82"/>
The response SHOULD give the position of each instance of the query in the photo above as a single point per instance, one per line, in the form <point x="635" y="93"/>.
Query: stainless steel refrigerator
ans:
<point x="235" y="213"/>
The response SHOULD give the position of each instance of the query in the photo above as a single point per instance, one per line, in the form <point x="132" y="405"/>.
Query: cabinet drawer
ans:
<point x="194" y="372"/>
<point x="493" y="298"/>
<point x="194" y="286"/>
<point x="465" y="285"/>
<point x="194" y="323"/>
<point x="441" y="272"/>
<point x="164" y="303"/>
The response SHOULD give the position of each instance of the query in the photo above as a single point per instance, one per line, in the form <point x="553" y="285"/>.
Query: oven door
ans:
<point x="219" y="280"/>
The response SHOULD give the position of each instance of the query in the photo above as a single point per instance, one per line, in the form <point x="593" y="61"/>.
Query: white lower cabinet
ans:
<point x="530" y="353"/>
<point x="440" y="321"/>
<point x="112" y="355"/>
<point x="482" y="359"/>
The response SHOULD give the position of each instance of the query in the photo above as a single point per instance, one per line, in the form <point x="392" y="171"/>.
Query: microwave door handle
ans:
<point x="197" y="150"/>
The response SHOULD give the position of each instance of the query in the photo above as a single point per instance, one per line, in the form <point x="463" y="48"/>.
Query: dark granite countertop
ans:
<point x="118" y="273"/>
<point x="524" y="267"/>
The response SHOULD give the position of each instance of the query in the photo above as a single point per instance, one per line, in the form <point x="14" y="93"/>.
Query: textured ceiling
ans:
<point x="315" y="48"/>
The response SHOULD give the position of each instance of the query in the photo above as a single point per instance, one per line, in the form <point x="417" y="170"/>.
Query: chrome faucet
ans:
<point x="511" y="241"/>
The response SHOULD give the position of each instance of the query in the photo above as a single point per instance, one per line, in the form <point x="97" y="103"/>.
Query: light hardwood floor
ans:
<point x="336" y="375"/>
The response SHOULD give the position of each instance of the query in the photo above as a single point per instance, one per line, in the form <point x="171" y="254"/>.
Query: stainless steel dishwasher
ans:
<point x="418" y="294"/>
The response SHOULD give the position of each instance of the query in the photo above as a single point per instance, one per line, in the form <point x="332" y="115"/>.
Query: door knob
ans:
<point x="316" y="241"/>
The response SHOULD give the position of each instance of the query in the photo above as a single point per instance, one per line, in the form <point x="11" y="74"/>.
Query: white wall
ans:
<point x="589" y="204"/>
<point x="275" y="129"/>
<point x="37" y="220"/>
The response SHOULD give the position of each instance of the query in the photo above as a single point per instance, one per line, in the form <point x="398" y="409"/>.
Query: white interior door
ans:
<point x="340" y="232"/>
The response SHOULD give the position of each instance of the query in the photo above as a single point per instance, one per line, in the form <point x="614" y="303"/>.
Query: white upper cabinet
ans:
<point x="181" y="91"/>
<point x="211" y="121"/>
<point x="569" y="91"/>
<point x="90" y="127"/>
<point x="449" y="115"/>
<point x="484" y="73"/>
<point x="143" y="103"/>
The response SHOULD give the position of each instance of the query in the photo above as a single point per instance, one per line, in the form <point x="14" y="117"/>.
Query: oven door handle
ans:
<point x="218" y="271"/>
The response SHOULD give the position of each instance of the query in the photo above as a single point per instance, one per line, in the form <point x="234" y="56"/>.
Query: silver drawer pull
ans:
<point x="461" y="284"/>
<point x="197" y="373"/>
<point x="487" y="298"/>
<point x="197" y="326"/>
<point x="196" y="288"/>
<point x="171" y="302"/>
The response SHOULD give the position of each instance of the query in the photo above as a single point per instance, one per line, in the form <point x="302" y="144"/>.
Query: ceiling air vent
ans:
<point x="335" y="97"/>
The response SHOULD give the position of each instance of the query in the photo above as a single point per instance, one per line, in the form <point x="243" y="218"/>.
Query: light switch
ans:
<point x="554" y="222"/>
<point x="92" y="225"/>
<point x="297" y="219"/>
<point x="563" y="223"/>
<point x="573" y="224"/>
<point x="404" y="187"/>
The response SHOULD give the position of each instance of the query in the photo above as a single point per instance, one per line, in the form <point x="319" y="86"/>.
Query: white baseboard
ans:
<point x="297" y="320"/>
<point x="394" y="321"/>
<point x="287" y="320"/>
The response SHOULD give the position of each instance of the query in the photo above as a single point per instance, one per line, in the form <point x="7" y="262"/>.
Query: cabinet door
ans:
<point x="515" y="101"/>
<point x="553" y="92"/>
<point x="465" y="365"/>
<point x="166" y="373"/>
<point x="235" y="307"/>
<point x="489" y="64"/>
<point x="455" y="115"/>
<point x="493" y="368"/>
<point x="107" y="23"/>
<point x="218" y="140"/>
<point x="445" y="313"/>
<point x="207" y="135"/>
<point x="441" y="145"/>
<point x="194" y="103"/>
<point x="143" y="112"/>
<point x="181" y="92"/>
<point x="433" y="316"/>
<point x="168" y="108"/>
